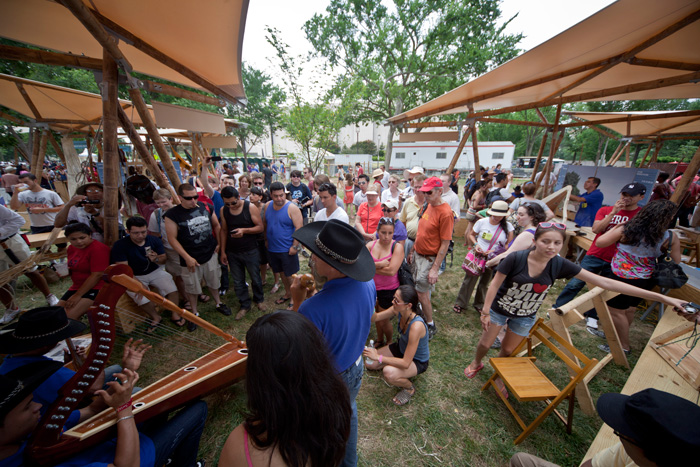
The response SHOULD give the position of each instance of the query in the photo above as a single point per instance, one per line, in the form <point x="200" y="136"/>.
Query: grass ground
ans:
<point x="448" y="422"/>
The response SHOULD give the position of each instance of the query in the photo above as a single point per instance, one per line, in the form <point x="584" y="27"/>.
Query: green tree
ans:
<point x="390" y="58"/>
<point x="262" y="112"/>
<point x="362" y="147"/>
<point x="311" y="125"/>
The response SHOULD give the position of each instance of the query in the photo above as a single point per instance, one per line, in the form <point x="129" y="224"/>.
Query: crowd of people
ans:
<point x="376" y="252"/>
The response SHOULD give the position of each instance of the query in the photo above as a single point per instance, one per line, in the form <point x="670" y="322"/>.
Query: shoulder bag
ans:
<point x="475" y="263"/>
<point x="668" y="274"/>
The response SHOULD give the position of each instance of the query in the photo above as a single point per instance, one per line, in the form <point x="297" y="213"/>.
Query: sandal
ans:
<point x="404" y="396"/>
<point x="290" y="307"/>
<point x="275" y="287"/>
<point x="469" y="373"/>
<point x="281" y="300"/>
<point x="187" y="307"/>
<point x="457" y="309"/>
<point x="179" y="322"/>
<point x="204" y="298"/>
<point x="152" y="327"/>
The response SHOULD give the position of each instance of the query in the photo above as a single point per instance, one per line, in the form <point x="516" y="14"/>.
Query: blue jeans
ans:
<point x="589" y="263"/>
<point x="239" y="263"/>
<point x="177" y="439"/>
<point x="353" y="380"/>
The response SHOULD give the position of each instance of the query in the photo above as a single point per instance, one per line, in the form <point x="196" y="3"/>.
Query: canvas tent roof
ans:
<point x="66" y="109"/>
<point x="208" y="43"/>
<point x="650" y="124"/>
<point x="605" y="57"/>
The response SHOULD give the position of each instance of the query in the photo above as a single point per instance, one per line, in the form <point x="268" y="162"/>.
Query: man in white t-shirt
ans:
<point x="449" y="196"/>
<point x="328" y="194"/>
<point x="385" y="178"/>
<point x="361" y="196"/>
<point x="42" y="205"/>
<point x="500" y="183"/>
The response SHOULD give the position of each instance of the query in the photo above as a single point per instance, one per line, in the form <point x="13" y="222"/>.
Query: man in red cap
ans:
<point x="432" y="241"/>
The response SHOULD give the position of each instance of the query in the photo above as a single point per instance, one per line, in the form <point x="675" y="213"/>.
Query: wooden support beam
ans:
<point x="475" y="148"/>
<point x="664" y="64"/>
<point x="646" y="153"/>
<point x="630" y="117"/>
<point x="542" y="117"/>
<point x="618" y="152"/>
<point x="21" y="145"/>
<point x="552" y="150"/>
<point x="34" y="141"/>
<point x="446" y="123"/>
<point x="141" y="149"/>
<point x="606" y="321"/>
<point x="38" y="165"/>
<point x="615" y="152"/>
<point x="515" y="122"/>
<point x="72" y="163"/>
<point x="460" y="147"/>
<point x="161" y="88"/>
<point x="28" y="100"/>
<point x="657" y="150"/>
<point x="13" y="119"/>
<point x="675" y="125"/>
<point x="543" y="143"/>
<point x="110" y="104"/>
<point x="24" y="54"/>
<point x="687" y="178"/>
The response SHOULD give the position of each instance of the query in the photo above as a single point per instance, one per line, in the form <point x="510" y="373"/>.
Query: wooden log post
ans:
<point x="644" y="159"/>
<point x="461" y="145"/>
<point x="659" y="145"/>
<point x="110" y="213"/>
<point x="543" y="144"/>
<point x="56" y="147"/>
<point x="149" y="124"/>
<point x="72" y="163"/>
<point x="34" y="147"/>
<point x="141" y="149"/>
<point x="38" y="165"/>
<point x="687" y="177"/>
<point x="475" y="148"/>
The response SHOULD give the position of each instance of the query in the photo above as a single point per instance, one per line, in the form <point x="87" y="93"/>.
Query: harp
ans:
<point x="217" y="369"/>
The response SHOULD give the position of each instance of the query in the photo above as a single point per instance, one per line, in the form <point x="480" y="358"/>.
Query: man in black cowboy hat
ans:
<point x="343" y="309"/>
<point x="655" y="428"/>
<point x="37" y="332"/>
<point x="86" y="207"/>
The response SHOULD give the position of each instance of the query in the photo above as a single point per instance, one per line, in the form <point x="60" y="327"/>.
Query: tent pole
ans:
<point x="110" y="149"/>
<point x="56" y="147"/>
<point x="141" y="148"/>
<point x="613" y="158"/>
<point x="543" y="143"/>
<point x="38" y="166"/>
<point x="552" y="150"/>
<point x="475" y="148"/>
<point x="72" y="163"/>
<point x="687" y="177"/>
<point x="644" y="159"/>
<point x="659" y="145"/>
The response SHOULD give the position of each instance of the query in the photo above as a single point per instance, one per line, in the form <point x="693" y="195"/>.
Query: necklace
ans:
<point x="404" y="324"/>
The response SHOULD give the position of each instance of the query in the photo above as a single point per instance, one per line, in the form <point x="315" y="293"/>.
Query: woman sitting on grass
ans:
<point x="299" y="407"/>
<point x="409" y="356"/>
<point x="388" y="256"/>
<point x="87" y="260"/>
<point x="520" y="286"/>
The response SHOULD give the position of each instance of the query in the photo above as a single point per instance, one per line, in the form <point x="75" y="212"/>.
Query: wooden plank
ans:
<point x="610" y="332"/>
<point x="462" y="142"/>
<point x="651" y="371"/>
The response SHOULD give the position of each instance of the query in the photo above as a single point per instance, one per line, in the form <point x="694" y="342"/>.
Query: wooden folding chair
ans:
<point x="527" y="383"/>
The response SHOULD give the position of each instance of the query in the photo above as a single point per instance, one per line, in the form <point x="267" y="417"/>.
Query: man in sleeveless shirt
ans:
<point x="193" y="231"/>
<point x="282" y="219"/>
<point x="240" y="225"/>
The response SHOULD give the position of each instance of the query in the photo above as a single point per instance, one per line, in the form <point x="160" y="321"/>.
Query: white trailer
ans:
<point x="436" y="156"/>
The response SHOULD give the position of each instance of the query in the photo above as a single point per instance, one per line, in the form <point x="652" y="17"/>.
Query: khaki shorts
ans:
<point x="161" y="280"/>
<point x="172" y="263"/>
<point x="19" y="251"/>
<point x="421" y="267"/>
<point x="209" y="271"/>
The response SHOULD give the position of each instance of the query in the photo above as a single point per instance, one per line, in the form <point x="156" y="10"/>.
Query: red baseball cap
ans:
<point x="430" y="183"/>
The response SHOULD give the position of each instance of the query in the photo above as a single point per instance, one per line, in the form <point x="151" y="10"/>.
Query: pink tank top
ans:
<point x="247" y="451"/>
<point x="385" y="282"/>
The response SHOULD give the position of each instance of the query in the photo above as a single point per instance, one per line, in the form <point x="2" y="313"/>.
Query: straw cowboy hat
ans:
<point x="377" y="173"/>
<point x="339" y="245"/>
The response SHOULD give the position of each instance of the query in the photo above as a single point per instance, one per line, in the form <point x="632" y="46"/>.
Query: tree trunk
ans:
<point x="389" y="147"/>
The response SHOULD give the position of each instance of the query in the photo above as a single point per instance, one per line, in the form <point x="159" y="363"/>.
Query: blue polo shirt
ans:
<point x="342" y="311"/>
<point x="588" y="208"/>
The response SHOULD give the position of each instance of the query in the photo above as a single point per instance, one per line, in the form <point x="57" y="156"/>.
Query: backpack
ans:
<point x="494" y="195"/>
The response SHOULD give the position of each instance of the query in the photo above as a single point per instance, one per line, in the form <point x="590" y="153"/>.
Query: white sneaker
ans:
<point x="52" y="300"/>
<point x="592" y="323"/>
<point x="9" y="316"/>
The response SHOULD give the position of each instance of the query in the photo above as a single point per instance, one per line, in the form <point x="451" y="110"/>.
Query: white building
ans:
<point x="438" y="155"/>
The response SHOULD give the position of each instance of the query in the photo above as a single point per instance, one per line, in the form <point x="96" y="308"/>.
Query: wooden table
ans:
<point x="651" y="371"/>
<point x="582" y="242"/>
<point x="37" y="240"/>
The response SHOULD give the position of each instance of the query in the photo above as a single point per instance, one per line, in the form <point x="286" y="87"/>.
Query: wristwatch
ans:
<point x="297" y="247"/>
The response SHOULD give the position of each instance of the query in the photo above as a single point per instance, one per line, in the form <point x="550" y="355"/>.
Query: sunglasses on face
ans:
<point x="258" y="183"/>
<point x="362" y="183"/>
<point x="190" y="198"/>
<point x="232" y="204"/>
<point x="295" y="176"/>
<point x="428" y="193"/>
<point x="556" y="225"/>
<point x="386" y="221"/>
<point x="388" y="209"/>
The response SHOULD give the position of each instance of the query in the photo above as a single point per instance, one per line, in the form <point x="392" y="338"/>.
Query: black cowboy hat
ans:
<point x="20" y="382"/>
<point x="38" y="328"/>
<point x="339" y="245"/>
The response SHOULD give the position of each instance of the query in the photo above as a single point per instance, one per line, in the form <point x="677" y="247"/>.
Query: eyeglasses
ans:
<point x="296" y="176"/>
<point x="190" y="198"/>
<point x="393" y="181"/>
<point x="362" y="183"/>
<point x="556" y="225"/>
<point x="324" y="187"/>
<point x="232" y="204"/>
<point x="396" y="301"/>
<point x="428" y="193"/>
<point x="258" y="183"/>
<point x="388" y="209"/>
<point x="386" y="221"/>
<point x="626" y="438"/>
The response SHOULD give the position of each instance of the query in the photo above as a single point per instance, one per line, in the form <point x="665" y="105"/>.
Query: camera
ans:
<point x="216" y="158"/>
<point x="89" y="201"/>
<point x="691" y="308"/>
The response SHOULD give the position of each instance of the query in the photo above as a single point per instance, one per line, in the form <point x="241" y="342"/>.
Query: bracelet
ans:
<point x="124" y="418"/>
<point x="380" y="358"/>
<point x="125" y="406"/>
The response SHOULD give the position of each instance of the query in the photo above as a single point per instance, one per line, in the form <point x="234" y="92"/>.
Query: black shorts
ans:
<point x="90" y="294"/>
<point x="384" y="298"/>
<point x="263" y="252"/>
<point x="284" y="262"/>
<point x="622" y="301"/>
<point x="396" y="352"/>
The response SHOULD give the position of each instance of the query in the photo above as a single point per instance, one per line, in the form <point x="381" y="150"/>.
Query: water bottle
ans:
<point x="368" y="360"/>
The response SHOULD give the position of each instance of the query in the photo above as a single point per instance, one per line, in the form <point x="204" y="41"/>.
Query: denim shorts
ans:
<point x="520" y="325"/>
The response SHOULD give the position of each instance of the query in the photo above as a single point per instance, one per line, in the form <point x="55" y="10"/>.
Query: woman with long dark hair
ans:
<point x="299" y="408"/>
<point x="477" y="201"/>
<point x="488" y="236"/>
<point x="639" y="243"/>
<point x="529" y="216"/>
<point x="409" y="355"/>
